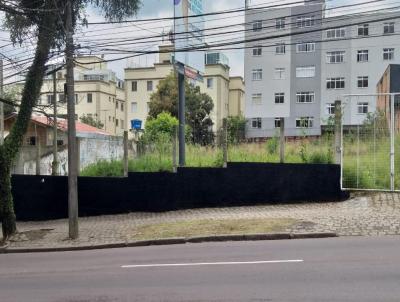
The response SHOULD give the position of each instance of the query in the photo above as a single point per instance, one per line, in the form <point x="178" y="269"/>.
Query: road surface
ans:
<point x="338" y="269"/>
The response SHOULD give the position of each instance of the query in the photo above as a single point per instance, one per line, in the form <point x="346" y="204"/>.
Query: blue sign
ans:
<point x="136" y="124"/>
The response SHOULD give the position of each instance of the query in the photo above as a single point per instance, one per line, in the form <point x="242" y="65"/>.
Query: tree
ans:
<point x="89" y="120"/>
<point x="44" y="19"/>
<point x="165" y="123"/>
<point x="198" y="108"/>
<point x="236" y="129"/>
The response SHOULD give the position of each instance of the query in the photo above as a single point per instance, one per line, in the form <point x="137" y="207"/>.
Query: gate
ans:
<point x="370" y="144"/>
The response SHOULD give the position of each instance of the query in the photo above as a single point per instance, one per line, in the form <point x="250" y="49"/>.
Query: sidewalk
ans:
<point x="367" y="215"/>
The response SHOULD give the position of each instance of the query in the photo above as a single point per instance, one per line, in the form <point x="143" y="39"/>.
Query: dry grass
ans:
<point x="193" y="228"/>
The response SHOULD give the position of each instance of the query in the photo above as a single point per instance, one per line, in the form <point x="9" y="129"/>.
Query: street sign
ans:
<point x="189" y="33"/>
<point x="136" y="124"/>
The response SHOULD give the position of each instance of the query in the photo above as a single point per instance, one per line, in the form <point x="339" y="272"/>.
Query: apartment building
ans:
<point x="308" y="61"/>
<point x="98" y="94"/>
<point x="226" y="92"/>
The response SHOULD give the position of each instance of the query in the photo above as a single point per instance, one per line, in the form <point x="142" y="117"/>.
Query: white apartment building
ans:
<point x="305" y="61"/>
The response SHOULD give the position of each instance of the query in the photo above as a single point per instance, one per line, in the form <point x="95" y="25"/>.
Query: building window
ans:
<point x="256" y="123"/>
<point x="257" y="74"/>
<point x="330" y="108"/>
<point x="305" y="21"/>
<point x="59" y="75"/>
<point x="134" y="107"/>
<point x="362" y="55"/>
<point x="335" y="83"/>
<point x="363" y="30"/>
<point x="388" y="28"/>
<point x="257" y="25"/>
<point x="334" y="57"/>
<point x="256" y="99"/>
<point x="305" y="47"/>
<point x="61" y="97"/>
<point x="89" y="98"/>
<point x="305" y="97"/>
<point x="210" y="83"/>
<point x="280" y="23"/>
<point x="122" y="106"/>
<point x="50" y="99"/>
<point x="277" y="122"/>
<point x="336" y="33"/>
<point x="362" y="82"/>
<point x="279" y="98"/>
<point x="134" y="86"/>
<point x="122" y="124"/>
<point x="76" y="98"/>
<point x="304" y="122"/>
<point x="280" y="49"/>
<point x="116" y="105"/>
<point x="31" y="141"/>
<point x="305" y="72"/>
<point x="116" y="122"/>
<point x="149" y="85"/>
<point x="279" y="73"/>
<point x="109" y="118"/>
<point x="388" y="54"/>
<point x="257" y="51"/>
<point x="362" y="107"/>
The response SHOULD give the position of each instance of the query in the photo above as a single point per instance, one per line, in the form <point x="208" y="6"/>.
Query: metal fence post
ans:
<point x="174" y="136"/>
<point x="391" y="98"/>
<point x="338" y="132"/>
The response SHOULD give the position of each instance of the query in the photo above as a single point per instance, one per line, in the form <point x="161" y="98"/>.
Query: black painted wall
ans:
<point x="46" y="197"/>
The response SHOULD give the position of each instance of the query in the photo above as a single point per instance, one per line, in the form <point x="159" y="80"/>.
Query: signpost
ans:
<point x="188" y="35"/>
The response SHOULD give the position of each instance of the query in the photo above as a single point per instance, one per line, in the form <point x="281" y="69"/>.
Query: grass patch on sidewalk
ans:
<point x="209" y="227"/>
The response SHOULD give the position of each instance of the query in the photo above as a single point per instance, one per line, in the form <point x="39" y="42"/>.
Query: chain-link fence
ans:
<point x="371" y="142"/>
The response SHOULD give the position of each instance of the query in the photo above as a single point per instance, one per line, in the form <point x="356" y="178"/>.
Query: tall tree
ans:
<point x="44" y="20"/>
<point x="198" y="108"/>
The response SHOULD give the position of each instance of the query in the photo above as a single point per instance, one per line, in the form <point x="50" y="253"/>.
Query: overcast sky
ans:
<point x="164" y="8"/>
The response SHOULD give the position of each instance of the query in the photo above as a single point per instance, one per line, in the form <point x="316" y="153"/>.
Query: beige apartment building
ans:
<point x="98" y="93"/>
<point x="227" y="92"/>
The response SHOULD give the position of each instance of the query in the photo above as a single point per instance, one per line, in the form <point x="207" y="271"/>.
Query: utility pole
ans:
<point x="181" y="114"/>
<point x="54" y="167"/>
<point x="72" y="148"/>
<point x="1" y="104"/>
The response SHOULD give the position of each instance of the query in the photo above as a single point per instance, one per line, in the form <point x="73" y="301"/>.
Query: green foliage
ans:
<point x="163" y="124"/>
<point x="272" y="145"/>
<point x="198" y="108"/>
<point x="89" y="120"/>
<point x="236" y="129"/>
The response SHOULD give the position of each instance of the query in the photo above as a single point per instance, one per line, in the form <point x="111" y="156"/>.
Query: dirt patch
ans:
<point x="30" y="235"/>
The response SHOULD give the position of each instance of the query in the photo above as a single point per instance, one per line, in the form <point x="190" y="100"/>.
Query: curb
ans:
<point x="170" y="241"/>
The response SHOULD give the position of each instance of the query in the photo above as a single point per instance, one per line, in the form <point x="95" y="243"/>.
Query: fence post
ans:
<point x="174" y="136"/>
<point x="282" y="140"/>
<point x="392" y="129"/>
<point x="338" y="132"/>
<point x="225" y="142"/>
<point x="37" y="155"/>
<point x="125" y="153"/>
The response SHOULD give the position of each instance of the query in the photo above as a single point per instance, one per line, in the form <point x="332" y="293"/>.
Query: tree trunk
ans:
<point x="7" y="216"/>
<point x="30" y="95"/>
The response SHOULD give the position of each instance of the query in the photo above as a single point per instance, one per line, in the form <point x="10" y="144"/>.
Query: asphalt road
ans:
<point x="339" y="269"/>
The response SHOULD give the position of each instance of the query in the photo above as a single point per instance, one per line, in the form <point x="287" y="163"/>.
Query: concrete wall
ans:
<point x="91" y="150"/>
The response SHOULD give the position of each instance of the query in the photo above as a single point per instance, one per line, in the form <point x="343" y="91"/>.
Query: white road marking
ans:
<point x="211" y="263"/>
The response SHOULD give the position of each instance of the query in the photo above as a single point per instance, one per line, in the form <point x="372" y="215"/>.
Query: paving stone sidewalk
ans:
<point x="366" y="215"/>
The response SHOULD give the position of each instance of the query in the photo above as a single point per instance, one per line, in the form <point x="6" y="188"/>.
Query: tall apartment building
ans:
<point x="308" y="61"/>
<point x="98" y="93"/>
<point x="226" y="92"/>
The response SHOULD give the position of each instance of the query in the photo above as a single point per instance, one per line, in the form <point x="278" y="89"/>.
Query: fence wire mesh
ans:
<point x="371" y="142"/>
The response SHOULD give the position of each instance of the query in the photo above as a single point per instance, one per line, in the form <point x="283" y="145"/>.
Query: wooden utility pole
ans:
<point x="225" y="142"/>
<point x="72" y="148"/>
<point x="338" y="132"/>
<point x="1" y="105"/>
<point x="54" y="165"/>
<point x="126" y="158"/>
<point x="282" y="140"/>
